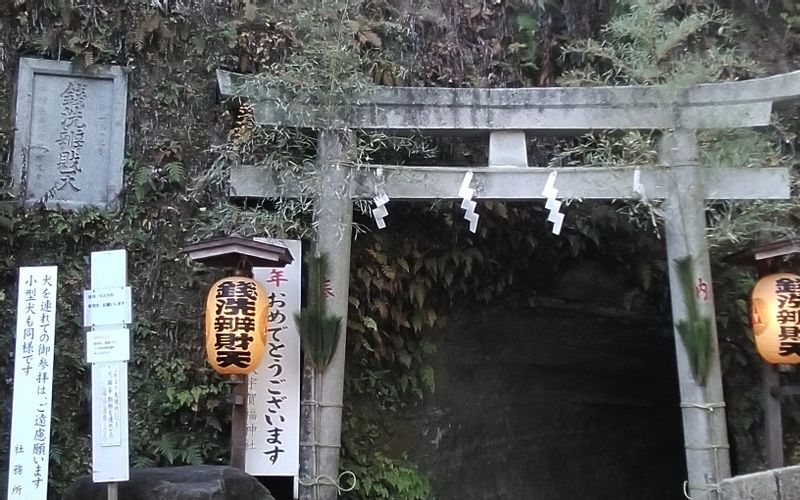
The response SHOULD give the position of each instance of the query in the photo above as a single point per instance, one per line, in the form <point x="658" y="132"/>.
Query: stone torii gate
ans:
<point x="506" y="115"/>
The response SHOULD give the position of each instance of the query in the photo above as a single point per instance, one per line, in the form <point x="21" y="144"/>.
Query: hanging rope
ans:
<point x="315" y="480"/>
<point x="307" y="402"/>
<point x="704" y="406"/>
<point x="329" y="481"/>
<point x="708" y="488"/>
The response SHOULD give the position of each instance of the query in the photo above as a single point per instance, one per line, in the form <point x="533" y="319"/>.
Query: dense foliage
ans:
<point x="403" y="280"/>
<point x="178" y="412"/>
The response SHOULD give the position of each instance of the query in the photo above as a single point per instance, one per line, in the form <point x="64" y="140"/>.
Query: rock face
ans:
<point x="197" y="482"/>
<point x="550" y="404"/>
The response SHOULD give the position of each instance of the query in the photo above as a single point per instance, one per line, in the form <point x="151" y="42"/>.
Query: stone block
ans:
<point x="508" y="149"/>
<point x="196" y="482"/>
<point x="757" y="486"/>
<point x="69" y="134"/>
<point x="789" y="482"/>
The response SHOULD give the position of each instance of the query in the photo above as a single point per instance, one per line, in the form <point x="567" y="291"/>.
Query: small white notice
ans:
<point x="111" y="416"/>
<point x="107" y="306"/>
<point x="103" y="346"/>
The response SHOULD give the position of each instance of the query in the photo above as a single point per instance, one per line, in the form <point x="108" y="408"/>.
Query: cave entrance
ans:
<point x="556" y="388"/>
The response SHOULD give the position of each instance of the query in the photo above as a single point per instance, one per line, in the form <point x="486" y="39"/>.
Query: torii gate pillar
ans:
<point x="323" y="392"/>
<point x="702" y="406"/>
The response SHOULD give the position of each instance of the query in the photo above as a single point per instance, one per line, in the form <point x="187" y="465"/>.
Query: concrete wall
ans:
<point x="774" y="484"/>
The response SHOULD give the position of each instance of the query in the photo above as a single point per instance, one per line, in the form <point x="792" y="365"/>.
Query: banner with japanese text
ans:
<point x="273" y="403"/>
<point x="29" y="451"/>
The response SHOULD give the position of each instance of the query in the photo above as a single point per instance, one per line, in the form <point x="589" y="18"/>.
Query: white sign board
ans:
<point x="273" y="402"/>
<point x="103" y="346"/>
<point x="33" y="384"/>
<point x="107" y="306"/>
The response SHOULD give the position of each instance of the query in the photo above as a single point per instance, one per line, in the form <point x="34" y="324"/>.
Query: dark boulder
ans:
<point x="196" y="482"/>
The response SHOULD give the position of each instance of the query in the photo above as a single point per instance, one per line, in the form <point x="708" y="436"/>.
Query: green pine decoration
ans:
<point x="319" y="331"/>
<point x="695" y="330"/>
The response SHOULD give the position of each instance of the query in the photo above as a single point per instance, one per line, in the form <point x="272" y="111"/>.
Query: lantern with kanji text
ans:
<point x="236" y="325"/>
<point x="775" y="318"/>
<point x="236" y="319"/>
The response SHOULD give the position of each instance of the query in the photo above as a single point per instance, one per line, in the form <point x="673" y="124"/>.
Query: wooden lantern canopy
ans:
<point x="235" y="251"/>
<point x="775" y="318"/>
<point x="237" y="306"/>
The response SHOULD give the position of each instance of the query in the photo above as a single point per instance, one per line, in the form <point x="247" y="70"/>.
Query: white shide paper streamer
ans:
<point x="379" y="212"/>
<point x="553" y="205"/>
<point x="638" y="187"/>
<point x="467" y="203"/>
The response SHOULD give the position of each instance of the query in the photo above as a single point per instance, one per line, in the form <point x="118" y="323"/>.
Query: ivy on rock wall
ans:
<point x="178" y="409"/>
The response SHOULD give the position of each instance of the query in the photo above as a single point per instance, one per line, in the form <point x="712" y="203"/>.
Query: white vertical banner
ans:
<point x="273" y="401"/>
<point x="33" y="384"/>
<point x="107" y="311"/>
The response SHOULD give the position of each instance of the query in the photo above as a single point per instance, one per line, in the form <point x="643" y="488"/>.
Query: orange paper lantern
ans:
<point x="775" y="318"/>
<point x="236" y="325"/>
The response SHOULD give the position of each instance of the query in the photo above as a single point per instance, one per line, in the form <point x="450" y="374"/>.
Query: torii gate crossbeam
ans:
<point x="525" y="184"/>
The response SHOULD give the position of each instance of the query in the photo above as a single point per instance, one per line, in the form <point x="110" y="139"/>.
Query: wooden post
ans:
<point x="703" y="406"/>
<point x="773" y="418"/>
<point x="238" y="420"/>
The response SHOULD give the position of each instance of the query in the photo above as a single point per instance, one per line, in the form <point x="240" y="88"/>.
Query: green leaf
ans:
<point x="176" y="172"/>
<point x="370" y="324"/>
<point x="427" y="376"/>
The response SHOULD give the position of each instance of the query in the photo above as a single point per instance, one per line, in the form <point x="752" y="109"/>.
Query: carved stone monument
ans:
<point x="69" y="134"/>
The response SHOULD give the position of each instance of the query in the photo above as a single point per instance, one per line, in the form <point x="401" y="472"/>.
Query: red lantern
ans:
<point x="775" y="318"/>
<point x="236" y="325"/>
